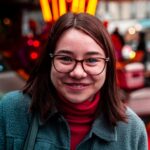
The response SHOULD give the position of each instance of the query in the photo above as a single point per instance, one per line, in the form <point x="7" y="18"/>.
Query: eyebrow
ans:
<point x="71" y="53"/>
<point x="93" y="53"/>
<point x="64" y="52"/>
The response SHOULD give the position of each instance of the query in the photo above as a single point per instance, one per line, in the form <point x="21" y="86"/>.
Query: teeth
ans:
<point x="77" y="85"/>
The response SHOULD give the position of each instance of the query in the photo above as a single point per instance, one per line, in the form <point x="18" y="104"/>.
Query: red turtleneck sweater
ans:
<point x="80" y="117"/>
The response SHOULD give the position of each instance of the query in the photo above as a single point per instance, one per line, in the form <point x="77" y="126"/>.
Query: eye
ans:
<point x="65" y="59"/>
<point x="91" y="60"/>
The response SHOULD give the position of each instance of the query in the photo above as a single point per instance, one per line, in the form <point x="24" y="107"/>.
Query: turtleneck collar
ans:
<point x="79" y="116"/>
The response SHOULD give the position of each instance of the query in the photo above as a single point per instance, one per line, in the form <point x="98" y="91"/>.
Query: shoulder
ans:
<point x="14" y="103"/>
<point x="134" y="122"/>
<point x="133" y="119"/>
<point x="134" y="127"/>
<point x="13" y="98"/>
<point x="14" y="114"/>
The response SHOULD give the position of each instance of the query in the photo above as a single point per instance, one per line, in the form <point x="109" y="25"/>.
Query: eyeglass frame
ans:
<point x="52" y="56"/>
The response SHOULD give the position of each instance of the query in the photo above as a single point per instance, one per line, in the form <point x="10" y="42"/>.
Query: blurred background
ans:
<point x="25" y="25"/>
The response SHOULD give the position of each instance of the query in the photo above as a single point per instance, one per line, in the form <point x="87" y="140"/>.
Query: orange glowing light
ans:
<point x="23" y="74"/>
<point x="46" y="11"/>
<point x="55" y="10"/>
<point x="7" y="21"/>
<point x="68" y="1"/>
<point x="60" y="7"/>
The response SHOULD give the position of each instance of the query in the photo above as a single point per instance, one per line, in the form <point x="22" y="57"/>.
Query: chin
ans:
<point x="80" y="99"/>
<point x="76" y="101"/>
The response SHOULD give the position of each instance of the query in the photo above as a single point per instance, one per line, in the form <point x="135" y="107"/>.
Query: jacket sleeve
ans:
<point x="143" y="140"/>
<point x="2" y="127"/>
<point x="138" y="139"/>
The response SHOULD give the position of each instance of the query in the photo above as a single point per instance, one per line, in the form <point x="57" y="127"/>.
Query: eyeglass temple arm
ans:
<point x="51" y="55"/>
<point x="107" y="59"/>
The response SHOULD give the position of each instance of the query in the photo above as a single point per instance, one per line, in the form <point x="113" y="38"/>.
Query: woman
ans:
<point x="73" y="95"/>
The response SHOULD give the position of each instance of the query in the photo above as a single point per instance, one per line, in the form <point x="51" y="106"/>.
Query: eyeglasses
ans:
<point x="91" y="65"/>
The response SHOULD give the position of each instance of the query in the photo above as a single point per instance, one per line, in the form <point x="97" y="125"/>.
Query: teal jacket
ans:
<point x="54" y="134"/>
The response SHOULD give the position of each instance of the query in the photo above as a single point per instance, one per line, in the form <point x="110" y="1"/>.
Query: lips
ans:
<point x="77" y="86"/>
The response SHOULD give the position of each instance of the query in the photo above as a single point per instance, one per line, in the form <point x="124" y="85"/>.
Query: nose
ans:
<point x="78" y="72"/>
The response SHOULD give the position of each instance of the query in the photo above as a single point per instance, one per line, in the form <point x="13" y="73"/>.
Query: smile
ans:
<point x="77" y="86"/>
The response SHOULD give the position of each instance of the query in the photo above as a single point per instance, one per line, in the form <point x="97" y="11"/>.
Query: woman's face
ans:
<point x="77" y="86"/>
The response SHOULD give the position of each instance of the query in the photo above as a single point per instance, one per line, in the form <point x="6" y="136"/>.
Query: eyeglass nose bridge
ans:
<point x="76" y="62"/>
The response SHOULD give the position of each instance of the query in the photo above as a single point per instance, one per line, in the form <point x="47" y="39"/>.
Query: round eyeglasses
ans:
<point x="91" y="65"/>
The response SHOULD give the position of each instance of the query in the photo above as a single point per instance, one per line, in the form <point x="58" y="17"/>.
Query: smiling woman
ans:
<point x="71" y="99"/>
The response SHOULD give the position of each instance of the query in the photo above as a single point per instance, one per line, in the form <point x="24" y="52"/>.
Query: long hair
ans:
<point x="40" y="87"/>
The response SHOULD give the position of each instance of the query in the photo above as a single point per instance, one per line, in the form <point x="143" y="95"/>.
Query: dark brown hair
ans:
<point x="40" y="87"/>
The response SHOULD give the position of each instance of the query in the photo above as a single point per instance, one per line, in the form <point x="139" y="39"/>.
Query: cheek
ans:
<point x="56" y="78"/>
<point x="99" y="80"/>
<point x="53" y="76"/>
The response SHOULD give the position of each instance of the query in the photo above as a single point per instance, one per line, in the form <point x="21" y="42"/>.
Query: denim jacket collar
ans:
<point x="102" y="129"/>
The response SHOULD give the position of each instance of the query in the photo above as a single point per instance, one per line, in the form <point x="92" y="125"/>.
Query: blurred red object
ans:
<point x="130" y="76"/>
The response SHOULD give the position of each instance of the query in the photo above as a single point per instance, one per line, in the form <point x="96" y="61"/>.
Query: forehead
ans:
<point x="77" y="41"/>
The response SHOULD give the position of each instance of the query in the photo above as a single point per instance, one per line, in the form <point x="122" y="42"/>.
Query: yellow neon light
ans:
<point x="81" y="6"/>
<point x="91" y="8"/>
<point x="75" y="5"/>
<point x="62" y="7"/>
<point x="46" y="11"/>
<point x="55" y="10"/>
